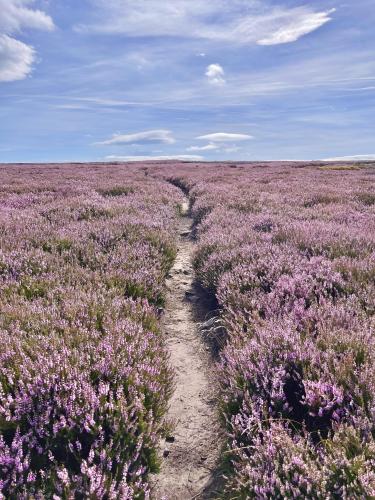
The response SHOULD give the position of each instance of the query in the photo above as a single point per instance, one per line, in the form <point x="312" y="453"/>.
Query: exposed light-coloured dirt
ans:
<point x="190" y="455"/>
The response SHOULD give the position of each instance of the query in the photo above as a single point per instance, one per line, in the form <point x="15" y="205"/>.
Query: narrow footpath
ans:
<point x="191" y="453"/>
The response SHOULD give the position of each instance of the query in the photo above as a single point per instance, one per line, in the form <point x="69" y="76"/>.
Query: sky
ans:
<point x="113" y="80"/>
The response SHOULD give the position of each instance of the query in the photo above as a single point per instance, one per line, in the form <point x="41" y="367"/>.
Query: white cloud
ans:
<point x="147" y="137"/>
<point x="293" y="29"/>
<point x="215" y="74"/>
<point x="15" y="15"/>
<point x="238" y="22"/>
<point x="150" y="158"/>
<point x="218" y="147"/>
<point x="225" y="137"/>
<point x="352" y="158"/>
<point x="207" y="147"/>
<point x="16" y="57"/>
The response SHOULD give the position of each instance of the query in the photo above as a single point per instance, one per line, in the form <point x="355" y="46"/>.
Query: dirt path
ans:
<point x="190" y="455"/>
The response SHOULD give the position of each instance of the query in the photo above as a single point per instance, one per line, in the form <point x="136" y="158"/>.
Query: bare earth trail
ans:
<point x="190" y="455"/>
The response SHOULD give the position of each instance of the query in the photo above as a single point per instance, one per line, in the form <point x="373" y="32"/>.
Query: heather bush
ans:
<point x="117" y="191"/>
<point x="279" y="464"/>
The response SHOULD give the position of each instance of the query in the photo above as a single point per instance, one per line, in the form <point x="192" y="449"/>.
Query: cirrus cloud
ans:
<point x="293" y="29"/>
<point x="237" y="22"/>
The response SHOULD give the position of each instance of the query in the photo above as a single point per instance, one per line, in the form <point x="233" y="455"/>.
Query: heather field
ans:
<point x="289" y="253"/>
<point x="83" y="369"/>
<point x="285" y="255"/>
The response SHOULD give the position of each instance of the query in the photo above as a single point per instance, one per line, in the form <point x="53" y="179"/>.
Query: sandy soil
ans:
<point x="190" y="455"/>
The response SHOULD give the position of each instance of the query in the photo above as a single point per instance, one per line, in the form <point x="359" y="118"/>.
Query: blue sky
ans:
<point x="93" y="80"/>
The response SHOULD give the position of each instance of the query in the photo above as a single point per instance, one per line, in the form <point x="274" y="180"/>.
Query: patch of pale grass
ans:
<point x="341" y="167"/>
